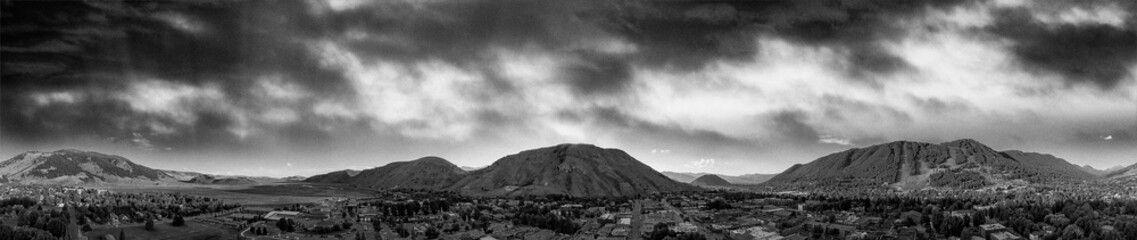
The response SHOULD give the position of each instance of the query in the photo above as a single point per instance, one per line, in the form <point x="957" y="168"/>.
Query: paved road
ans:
<point x="637" y="220"/>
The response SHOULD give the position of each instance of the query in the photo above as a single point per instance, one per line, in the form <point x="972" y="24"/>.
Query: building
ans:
<point x="685" y="227"/>
<point x="997" y="231"/>
<point x="1003" y="236"/>
<point x="277" y="215"/>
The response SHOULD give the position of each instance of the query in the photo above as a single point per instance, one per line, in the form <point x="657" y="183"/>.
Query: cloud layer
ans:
<point x="756" y="86"/>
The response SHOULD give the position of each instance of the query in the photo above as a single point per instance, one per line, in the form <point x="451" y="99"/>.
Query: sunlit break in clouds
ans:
<point x="303" y="87"/>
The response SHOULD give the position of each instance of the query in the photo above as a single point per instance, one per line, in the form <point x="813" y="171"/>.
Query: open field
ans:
<point x="191" y="230"/>
<point x="305" y="190"/>
<point x="261" y="194"/>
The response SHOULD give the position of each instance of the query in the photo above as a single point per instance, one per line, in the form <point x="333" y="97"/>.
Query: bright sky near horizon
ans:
<point x="284" y="88"/>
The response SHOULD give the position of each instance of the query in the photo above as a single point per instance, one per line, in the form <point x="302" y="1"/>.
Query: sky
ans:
<point x="280" y="88"/>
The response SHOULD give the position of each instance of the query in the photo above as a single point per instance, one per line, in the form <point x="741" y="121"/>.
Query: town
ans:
<point x="58" y="212"/>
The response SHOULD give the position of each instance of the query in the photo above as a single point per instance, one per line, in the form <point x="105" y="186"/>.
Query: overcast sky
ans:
<point x="304" y="87"/>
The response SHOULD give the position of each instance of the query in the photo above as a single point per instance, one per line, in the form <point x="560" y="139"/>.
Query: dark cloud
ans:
<point x="857" y="27"/>
<point x="599" y="73"/>
<point x="630" y="129"/>
<point x="1094" y="54"/>
<point x="98" y="49"/>
<point x="685" y="36"/>
<point x="790" y="126"/>
<point x="841" y="108"/>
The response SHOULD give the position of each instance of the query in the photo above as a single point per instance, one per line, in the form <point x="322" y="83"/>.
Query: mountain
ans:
<point x="962" y="163"/>
<point x="1101" y="172"/>
<point x="682" y="177"/>
<point x="341" y="176"/>
<point x="422" y="173"/>
<point x="208" y="179"/>
<point x="186" y="176"/>
<point x="568" y="169"/>
<point x="710" y="180"/>
<point x="1126" y="172"/>
<point x="75" y="166"/>
<point x="754" y="178"/>
<point x="293" y="178"/>
<point x="181" y="175"/>
<point x="469" y="168"/>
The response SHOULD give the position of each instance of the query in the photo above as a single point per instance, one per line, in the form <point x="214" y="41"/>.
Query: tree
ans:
<point x="660" y="232"/>
<point x="285" y="224"/>
<point x="178" y="221"/>
<point x="56" y="227"/>
<point x="402" y="231"/>
<point x="431" y="233"/>
<point x="1072" y="232"/>
<point x="121" y="234"/>
<point x="149" y="224"/>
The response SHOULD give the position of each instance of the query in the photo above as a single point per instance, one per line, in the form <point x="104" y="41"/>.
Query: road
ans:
<point x="637" y="220"/>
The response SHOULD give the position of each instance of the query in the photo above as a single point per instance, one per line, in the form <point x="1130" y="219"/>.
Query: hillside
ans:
<point x="568" y="169"/>
<point x="682" y="177"/>
<point x="1101" y="172"/>
<point x="186" y="176"/>
<point x="341" y="176"/>
<point x="422" y="173"/>
<point x="1126" y="172"/>
<point x="75" y="166"/>
<point x="293" y="178"/>
<point x="710" y="180"/>
<point x="208" y="179"/>
<point x="913" y="165"/>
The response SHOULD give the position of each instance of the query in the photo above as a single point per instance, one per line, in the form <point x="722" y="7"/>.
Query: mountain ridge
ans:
<point x="745" y="179"/>
<point x="964" y="163"/>
<point x="583" y="170"/>
<point x="77" y="166"/>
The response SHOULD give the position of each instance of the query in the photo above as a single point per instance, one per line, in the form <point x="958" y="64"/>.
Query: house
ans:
<point x="913" y="216"/>
<point x="685" y="227"/>
<point x="621" y="231"/>
<point x="868" y="221"/>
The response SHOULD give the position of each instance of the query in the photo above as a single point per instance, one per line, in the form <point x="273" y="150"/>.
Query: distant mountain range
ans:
<point x="914" y="165"/>
<point x="589" y="171"/>
<point x="1101" y="172"/>
<point x="207" y="179"/>
<point x="469" y="168"/>
<point x="710" y="180"/>
<point x="341" y="176"/>
<point x="1124" y="172"/>
<point x="71" y="166"/>
<point x="754" y="178"/>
